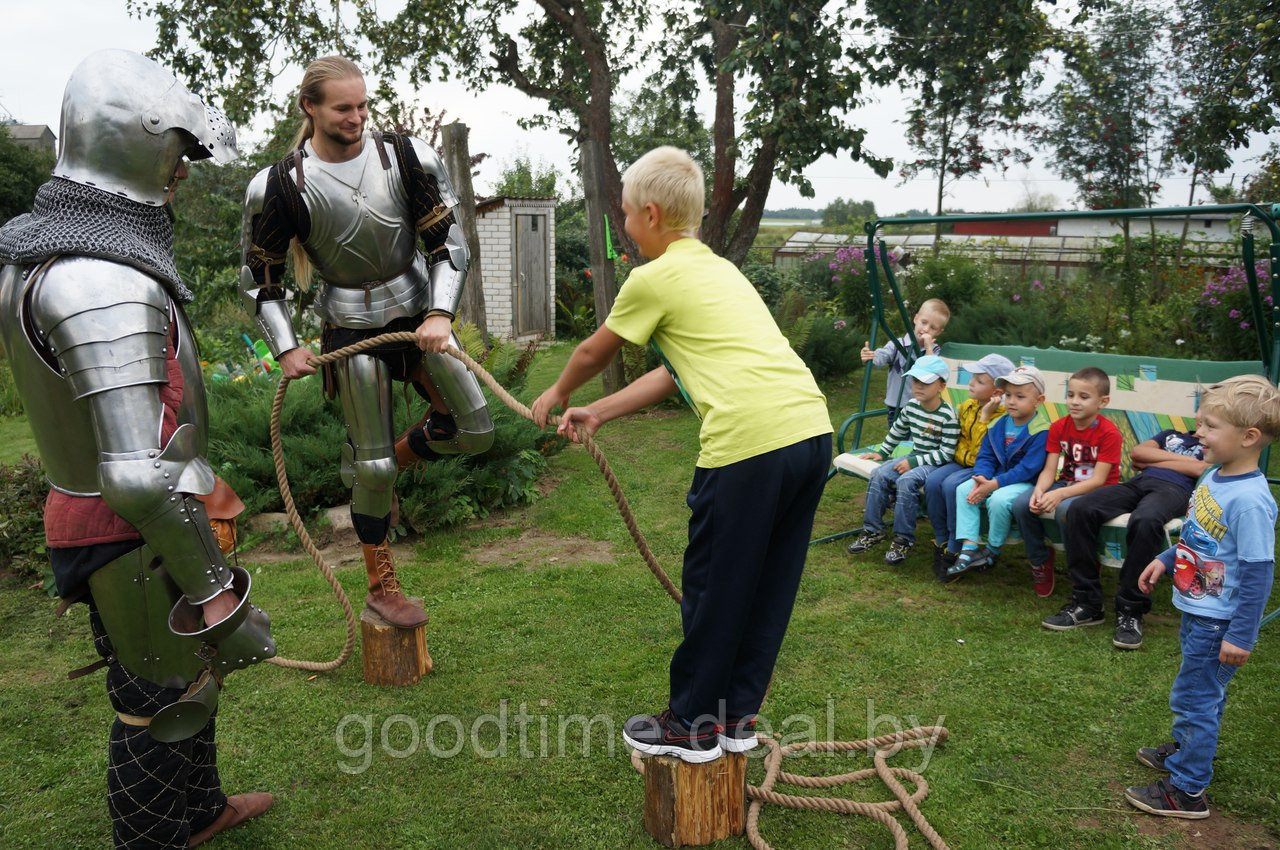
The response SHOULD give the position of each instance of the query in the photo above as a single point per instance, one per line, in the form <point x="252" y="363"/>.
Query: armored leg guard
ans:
<point x="467" y="429"/>
<point x="368" y="458"/>
<point x="385" y="598"/>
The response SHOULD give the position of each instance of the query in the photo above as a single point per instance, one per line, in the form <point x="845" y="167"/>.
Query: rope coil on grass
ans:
<point x="881" y="748"/>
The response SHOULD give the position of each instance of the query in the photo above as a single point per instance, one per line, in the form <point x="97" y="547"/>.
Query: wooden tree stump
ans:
<point x="392" y="655"/>
<point x="694" y="804"/>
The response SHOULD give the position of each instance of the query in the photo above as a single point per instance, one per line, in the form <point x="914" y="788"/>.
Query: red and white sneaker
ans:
<point x="1042" y="575"/>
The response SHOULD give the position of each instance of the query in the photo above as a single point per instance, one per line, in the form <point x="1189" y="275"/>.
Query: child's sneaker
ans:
<point x="1167" y="800"/>
<point x="983" y="560"/>
<point x="1042" y="575"/>
<point x="1071" y="616"/>
<point x="738" y="735"/>
<point x="666" y="735"/>
<point x="1128" y="632"/>
<point x="1153" y="757"/>
<point x="943" y="558"/>
<point x="898" y="550"/>
<point x="865" y="541"/>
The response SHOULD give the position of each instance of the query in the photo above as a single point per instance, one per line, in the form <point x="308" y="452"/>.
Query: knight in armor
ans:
<point x="92" y="324"/>
<point x="351" y="205"/>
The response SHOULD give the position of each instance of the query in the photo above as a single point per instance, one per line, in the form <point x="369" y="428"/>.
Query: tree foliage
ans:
<point x="1106" y="121"/>
<point x="841" y="212"/>
<point x="22" y="170"/>
<point x="524" y="178"/>
<point x="970" y="63"/>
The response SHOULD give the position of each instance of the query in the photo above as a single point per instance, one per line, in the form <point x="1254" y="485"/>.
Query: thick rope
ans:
<point x="881" y="747"/>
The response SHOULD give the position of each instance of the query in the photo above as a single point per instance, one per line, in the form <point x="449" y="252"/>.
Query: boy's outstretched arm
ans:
<point x="648" y="389"/>
<point x="587" y="361"/>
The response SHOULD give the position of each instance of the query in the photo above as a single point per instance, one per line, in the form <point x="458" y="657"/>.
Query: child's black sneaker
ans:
<point x="942" y="559"/>
<point x="1153" y="757"/>
<point x="666" y="735"/>
<point x="1128" y="632"/>
<point x="865" y="541"/>
<point x="738" y="735"/>
<point x="1167" y="800"/>
<point x="898" y="550"/>
<point x="1072" y="616"/>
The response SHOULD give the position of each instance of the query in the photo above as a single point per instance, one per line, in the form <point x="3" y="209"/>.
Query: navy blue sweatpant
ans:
<point x="748" y="536"/>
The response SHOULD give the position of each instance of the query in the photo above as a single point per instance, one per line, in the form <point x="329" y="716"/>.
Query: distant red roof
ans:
<point x="1043" y="227"/>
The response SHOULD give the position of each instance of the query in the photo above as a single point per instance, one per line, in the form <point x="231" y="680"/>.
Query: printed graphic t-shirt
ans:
<point x="1082" y="450"/>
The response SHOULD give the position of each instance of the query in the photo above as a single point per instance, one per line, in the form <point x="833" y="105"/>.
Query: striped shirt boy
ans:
<point x="933" y="434"/>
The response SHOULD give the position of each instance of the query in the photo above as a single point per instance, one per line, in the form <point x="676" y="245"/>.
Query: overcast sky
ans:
<point x="43" y="42"/>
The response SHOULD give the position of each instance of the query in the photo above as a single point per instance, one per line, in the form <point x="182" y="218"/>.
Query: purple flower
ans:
<point x="840" y="324"/>
<point x="1017" y="297"/>
<point x="1037" y="285"/>
<point x="1244" y="326"/>
<point x="1235" y="314"/>
<point x="835" y="278"/>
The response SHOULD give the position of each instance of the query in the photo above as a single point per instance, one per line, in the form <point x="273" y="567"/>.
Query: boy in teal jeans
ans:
<point x="765" y="448"/>
<point x="1223" y="567"/>
<point x="1011" y="457"/>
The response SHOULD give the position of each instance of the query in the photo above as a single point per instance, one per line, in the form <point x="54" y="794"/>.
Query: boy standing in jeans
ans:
<point x="1222" y="567"/>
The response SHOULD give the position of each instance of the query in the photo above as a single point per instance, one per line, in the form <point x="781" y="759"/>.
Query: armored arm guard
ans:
<point x="434" y="204"/>
<point x="108" y="326"/>
<point x="264" y="240"/>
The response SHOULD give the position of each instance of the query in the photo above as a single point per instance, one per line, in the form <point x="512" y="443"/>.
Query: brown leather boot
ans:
<point x="385" y="597"/>
<point x="240" y="808"/>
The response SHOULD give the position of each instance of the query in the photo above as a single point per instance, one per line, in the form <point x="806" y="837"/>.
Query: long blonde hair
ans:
<point x="311" y="90"/>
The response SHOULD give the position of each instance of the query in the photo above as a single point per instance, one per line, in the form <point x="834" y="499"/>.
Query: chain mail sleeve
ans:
<point x="271" y="219"/>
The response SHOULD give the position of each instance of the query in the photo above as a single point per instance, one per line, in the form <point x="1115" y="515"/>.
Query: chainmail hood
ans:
<point x="75" y="220"/>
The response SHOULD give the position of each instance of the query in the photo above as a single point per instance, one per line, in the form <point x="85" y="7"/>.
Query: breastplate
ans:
<point x="359" y="234"/>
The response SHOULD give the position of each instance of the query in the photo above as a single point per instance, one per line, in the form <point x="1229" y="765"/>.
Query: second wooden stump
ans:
<point x="694" y="804"/>
<point x="392" y="655"/>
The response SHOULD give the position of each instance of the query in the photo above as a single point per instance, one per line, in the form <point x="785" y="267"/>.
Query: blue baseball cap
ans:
<point x="995" y="365"/>
<point x="929" y="368"/>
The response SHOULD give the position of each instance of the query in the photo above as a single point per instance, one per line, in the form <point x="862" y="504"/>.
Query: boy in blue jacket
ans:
<point x="1011" y="457"/>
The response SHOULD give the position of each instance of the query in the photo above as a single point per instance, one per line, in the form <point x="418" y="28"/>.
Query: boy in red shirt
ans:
<point x="1089" y="446"/>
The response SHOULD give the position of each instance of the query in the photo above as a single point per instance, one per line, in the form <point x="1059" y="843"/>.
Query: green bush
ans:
<point x="10" y="401"/>
<point x="832" y="348"/>
<point x="1024" y="321"/>
<point x="958" y="281"/>
<point x="439" y="493"/>
<point x="22" y="493"/>
<point x="767" y="279"/>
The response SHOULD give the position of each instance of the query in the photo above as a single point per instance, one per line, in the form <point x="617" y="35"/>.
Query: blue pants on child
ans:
<point x="999" y="507"/>
<point x="749" y="532"/>
<point x="908" y="509"/>
<point x="1029" y="523"/>
<point x="940" y="501"/>
<point x="1197" y="699"/>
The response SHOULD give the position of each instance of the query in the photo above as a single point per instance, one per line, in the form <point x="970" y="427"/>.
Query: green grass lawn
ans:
<point x="548" y="618"/>
<point x="15" y="439"/>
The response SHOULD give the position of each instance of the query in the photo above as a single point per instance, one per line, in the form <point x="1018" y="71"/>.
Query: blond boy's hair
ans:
<point x="668" y="178"/>
<point x="1246" y="401"/>
<point x="938" y="307"/>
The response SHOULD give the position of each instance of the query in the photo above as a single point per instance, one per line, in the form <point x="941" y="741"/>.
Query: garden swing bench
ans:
<point x="1148" y="394"/>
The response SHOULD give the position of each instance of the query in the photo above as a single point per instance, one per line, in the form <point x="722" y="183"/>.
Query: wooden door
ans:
<point x="532" y="306"/>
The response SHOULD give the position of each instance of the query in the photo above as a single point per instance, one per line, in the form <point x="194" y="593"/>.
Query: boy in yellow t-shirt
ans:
<point x="765" y="445"/>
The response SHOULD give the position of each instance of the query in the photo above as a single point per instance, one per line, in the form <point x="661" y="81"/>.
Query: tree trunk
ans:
<point x="723" y="200"/>
<point x="457" y="159"/>
<point x="1186" y="221"/>
<point x="602" y="280"/>
<point x="757" y="193"/>
<point x="944" y="139"/>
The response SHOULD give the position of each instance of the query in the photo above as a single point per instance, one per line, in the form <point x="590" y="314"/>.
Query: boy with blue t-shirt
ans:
<point x="1223" y="567"/>
<point x="765" y="448"/>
